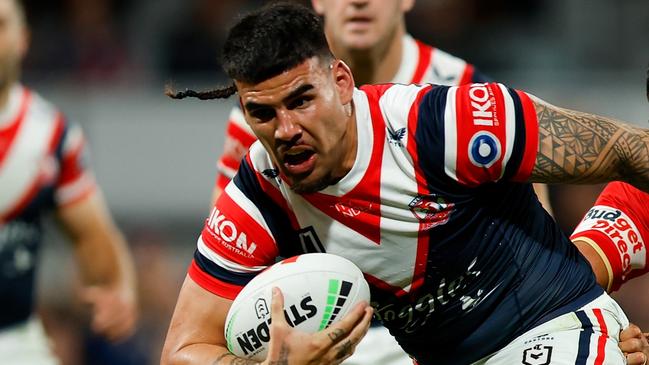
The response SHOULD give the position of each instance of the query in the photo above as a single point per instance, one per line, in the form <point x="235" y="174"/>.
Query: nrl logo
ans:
<point x="537" y="355"/>
<point x="431" y="210"/>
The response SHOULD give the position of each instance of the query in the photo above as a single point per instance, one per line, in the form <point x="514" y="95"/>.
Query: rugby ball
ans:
<point x="319" y="289"/>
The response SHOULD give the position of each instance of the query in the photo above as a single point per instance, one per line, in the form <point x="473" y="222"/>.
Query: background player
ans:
<point x="42" y="168"/>
<point x="258" y="93"/>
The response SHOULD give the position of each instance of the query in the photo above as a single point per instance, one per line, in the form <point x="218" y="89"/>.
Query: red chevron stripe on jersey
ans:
<point x="363" y="203"/>
<point x="423" y="238"/>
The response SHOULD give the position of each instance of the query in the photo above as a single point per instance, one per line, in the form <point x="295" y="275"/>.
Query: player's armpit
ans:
<point x="582" y="148"/>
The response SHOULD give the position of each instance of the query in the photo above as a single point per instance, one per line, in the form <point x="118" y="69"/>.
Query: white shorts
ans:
<point x="378" y="347"/>
<point x="26" y="344"/>
<point x="587" y="336"/>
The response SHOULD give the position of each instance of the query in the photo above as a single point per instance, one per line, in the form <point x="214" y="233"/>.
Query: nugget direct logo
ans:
<point x="484" y="149"/>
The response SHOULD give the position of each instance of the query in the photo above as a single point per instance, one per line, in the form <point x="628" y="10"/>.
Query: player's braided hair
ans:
<point x="647" y="84"/>
<point x="221" y="93"/>
<point x="265" y="43"/>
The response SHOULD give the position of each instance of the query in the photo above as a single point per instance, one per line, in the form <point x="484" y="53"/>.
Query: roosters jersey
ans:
<point x="460" y="256"/>
<point x="618" y="228"/>
<point x="420" y="63"/>
<point x="41" y="167"/>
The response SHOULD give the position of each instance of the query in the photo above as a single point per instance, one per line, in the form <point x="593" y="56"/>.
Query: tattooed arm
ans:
<point x="583" y="148"/>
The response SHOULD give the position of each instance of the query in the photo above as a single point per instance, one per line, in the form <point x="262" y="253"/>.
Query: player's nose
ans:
<point x="288" y="126"/>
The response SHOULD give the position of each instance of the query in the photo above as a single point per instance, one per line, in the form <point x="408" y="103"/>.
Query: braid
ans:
<point x="221" y="93"/>
<point x="647" y="84"/>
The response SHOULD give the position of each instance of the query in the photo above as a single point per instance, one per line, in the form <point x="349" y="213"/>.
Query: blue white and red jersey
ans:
<point x="420" y="63"/>
<point x="617" y="227"/>
<point x="460" y="256"/>
<point x="41" y="167"/>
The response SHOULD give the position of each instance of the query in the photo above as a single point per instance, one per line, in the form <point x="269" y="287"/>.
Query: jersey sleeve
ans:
<point x="239" y="239"/>
<point x="75" y="180"/>
<point x="238" y="138"/>
<point x="617" y="227"/>
<point x="477" y="133"/>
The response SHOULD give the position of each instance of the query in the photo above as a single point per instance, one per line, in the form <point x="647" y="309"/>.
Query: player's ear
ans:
<point x="344" y="80"/>
<point x="406" y="5"/>
<point x="318" y="7"/>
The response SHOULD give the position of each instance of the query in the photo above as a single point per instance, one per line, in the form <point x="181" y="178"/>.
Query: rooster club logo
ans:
<point x="431" y="210"/>
<point x="537" y="355"/>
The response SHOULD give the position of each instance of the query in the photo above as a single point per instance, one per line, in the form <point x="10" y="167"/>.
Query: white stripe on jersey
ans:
<point x="450" y="134"/>
<point x="27" y="156"/>
<point x="510" y="127"/>
<point x="248" y="206"/>
<point x="72" y="191"/>
<point x="445" y="69"/>
<point x="409" y="60"/>
<point x="223" y="262"/>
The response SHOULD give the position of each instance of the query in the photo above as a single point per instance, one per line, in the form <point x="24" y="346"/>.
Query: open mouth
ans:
<point x="297" y="158"/>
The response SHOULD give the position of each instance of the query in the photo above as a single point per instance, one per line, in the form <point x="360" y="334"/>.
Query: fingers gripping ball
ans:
<point x="319" y="289"/>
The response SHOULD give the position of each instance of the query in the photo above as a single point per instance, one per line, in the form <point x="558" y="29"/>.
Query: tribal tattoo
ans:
<point x="283" y="356"/>
<point x="583" y="148"/>
<point x="234" y="361"/>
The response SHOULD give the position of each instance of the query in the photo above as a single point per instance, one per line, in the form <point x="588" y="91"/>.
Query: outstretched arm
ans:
<point x="105" y="264"/>
<point x="582" y="148"/>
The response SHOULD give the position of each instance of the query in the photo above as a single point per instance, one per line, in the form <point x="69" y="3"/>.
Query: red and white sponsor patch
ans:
<point x="617" y="235"/>
<point x="234" y="234"/>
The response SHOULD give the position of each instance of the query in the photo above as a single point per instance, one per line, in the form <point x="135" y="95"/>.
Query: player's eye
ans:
<point x="300" y="102"/>
<point x="263" y="114"/>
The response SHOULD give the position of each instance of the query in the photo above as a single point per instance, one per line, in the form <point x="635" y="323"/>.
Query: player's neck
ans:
<point x="379" y="64"/>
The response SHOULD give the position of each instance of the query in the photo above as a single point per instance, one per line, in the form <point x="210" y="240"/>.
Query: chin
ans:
<point x="307" y="187"/>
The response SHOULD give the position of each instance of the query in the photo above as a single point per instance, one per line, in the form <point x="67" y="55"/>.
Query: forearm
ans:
<point x="204" y="354"/>
<point x="583" y="148"/>
<point x="104" y="259"/>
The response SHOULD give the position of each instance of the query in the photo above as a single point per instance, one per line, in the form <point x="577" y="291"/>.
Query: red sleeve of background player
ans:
<point x="238" y="138"/>
<point x="617" y="227"/>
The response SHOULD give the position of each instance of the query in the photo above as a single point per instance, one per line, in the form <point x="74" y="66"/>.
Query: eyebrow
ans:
<point x="250" y="106"/>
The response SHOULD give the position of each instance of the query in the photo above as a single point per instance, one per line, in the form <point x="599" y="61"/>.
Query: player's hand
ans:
<point x="114" y="311"/>
<point x="329" y="346"/>
<point x="634" y="345"/>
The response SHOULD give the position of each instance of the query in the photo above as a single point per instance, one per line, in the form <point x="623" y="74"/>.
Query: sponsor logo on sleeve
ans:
<point x="621" y="230"/>
<point x="484" y="149"/>
<point x="231" y="236"/>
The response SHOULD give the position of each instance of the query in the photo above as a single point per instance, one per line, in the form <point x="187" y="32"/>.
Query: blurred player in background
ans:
<point x="43" y="168"/>
<point x="314" y="159"/>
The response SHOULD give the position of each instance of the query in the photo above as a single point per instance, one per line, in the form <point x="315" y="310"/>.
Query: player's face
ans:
<point x="13" y="42"/>
<point x="304" y="119"/>
<point x="361" y="24"/>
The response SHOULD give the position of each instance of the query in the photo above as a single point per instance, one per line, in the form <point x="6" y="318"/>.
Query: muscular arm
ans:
<point x="105" y="265"/>
<point x="195" y="334"/>
<point x="583" y="148"/>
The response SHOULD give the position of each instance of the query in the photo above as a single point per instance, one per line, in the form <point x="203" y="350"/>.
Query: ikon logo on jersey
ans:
<point x="619" y="228"/>
<point x="229" y="233"/>
<point x="431" y="210"/>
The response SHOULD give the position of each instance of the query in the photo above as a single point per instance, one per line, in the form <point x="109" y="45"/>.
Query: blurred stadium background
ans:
<point x="105" y="63"/>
